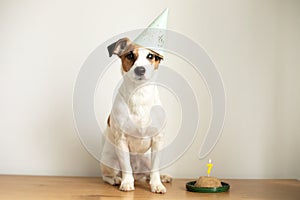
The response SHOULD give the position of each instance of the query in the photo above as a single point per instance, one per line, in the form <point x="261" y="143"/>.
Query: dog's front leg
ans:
<point x="122" y="150"/>
<point x="155" y="181"/>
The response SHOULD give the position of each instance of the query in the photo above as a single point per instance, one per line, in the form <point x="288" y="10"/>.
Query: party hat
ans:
<point x="154" y="36"/>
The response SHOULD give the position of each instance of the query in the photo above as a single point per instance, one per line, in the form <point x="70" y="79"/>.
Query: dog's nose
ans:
<point x="140" y="71"/>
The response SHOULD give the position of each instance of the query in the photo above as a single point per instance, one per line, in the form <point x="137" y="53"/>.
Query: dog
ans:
<point x="134" y="133"/>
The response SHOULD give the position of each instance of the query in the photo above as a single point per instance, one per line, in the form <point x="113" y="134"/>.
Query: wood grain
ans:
<point x="35" y="187"/>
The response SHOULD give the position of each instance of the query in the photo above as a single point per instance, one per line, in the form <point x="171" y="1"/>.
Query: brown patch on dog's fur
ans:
<point x="128" y="63"/>
<point x="156" y="59"/>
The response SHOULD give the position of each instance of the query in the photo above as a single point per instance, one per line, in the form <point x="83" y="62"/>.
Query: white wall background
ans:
<point x="255" y="45"/>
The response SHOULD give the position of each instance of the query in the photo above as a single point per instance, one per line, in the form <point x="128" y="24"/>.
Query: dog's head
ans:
<point x="138" y="63"/>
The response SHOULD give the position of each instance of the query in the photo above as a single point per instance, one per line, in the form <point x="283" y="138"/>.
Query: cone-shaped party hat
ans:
<point x="154" y="36"/>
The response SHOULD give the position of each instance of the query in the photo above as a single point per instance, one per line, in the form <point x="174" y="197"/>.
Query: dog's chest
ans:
<point x="140" y="104"/>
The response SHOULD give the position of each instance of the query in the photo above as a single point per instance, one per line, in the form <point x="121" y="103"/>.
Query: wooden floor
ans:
<point x="30" y="187"/>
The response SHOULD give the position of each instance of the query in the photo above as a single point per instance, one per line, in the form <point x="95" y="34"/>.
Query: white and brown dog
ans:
<point x="134" y="134"/>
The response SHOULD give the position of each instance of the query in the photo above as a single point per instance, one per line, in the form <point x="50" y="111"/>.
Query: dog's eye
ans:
<point x="157" y="58"/>
<point x="130" y="56"/>
<point x="150" y="56"/>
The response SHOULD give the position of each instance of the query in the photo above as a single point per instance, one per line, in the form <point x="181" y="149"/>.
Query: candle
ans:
<point x="209" y="166"/>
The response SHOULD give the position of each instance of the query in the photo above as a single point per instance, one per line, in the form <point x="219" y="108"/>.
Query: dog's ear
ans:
<point x="118" y="47"/>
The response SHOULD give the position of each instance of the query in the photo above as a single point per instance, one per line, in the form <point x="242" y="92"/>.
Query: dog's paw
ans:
<point x="158" y="188"/>
<point x="117" y="181"/>
<point x="165" y="179"/>
<point x="112" y="180"/>
<point x="127" y="186"/>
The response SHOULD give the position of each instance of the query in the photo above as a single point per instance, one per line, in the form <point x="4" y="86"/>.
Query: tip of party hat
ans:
<point x="160" y="21"/>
